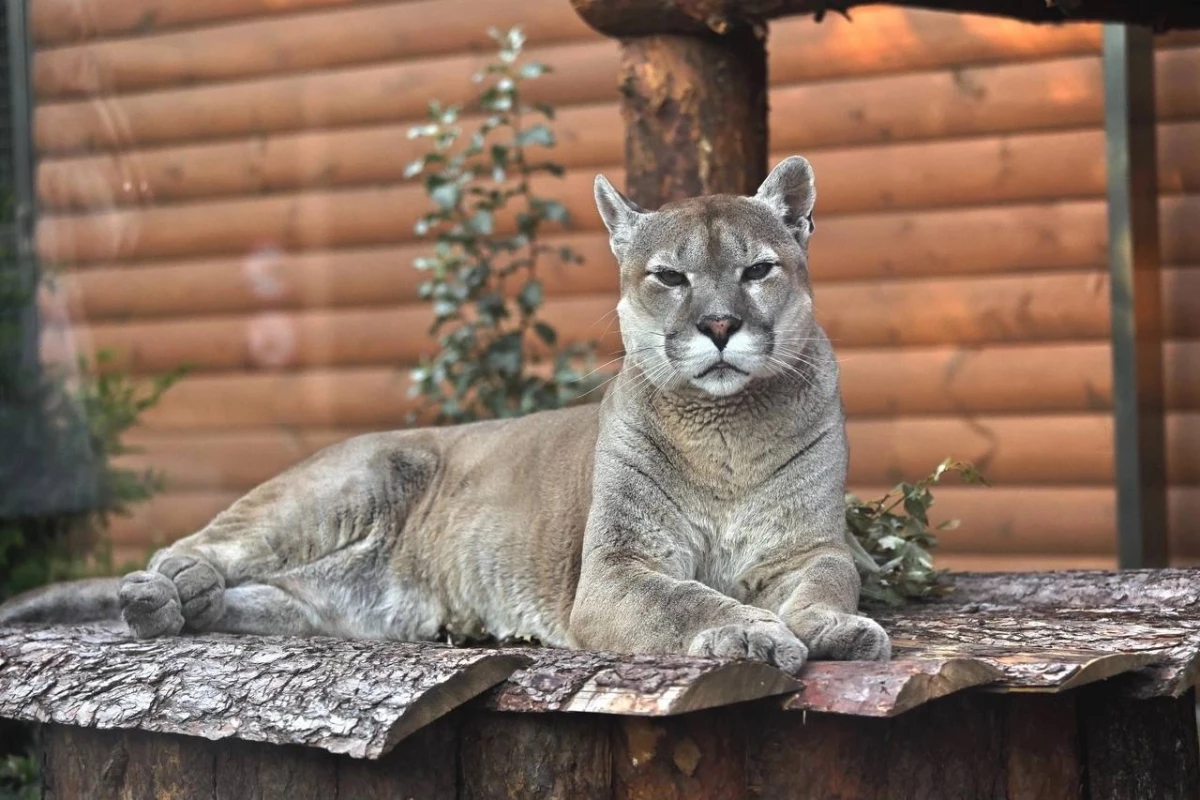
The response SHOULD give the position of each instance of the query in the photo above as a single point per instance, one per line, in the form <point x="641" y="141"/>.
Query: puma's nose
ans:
<point x="719" y="329"/>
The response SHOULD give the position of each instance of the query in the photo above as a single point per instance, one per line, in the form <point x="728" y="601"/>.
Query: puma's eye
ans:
<point x="757" y="271"/>
<point x="670" y="277"/>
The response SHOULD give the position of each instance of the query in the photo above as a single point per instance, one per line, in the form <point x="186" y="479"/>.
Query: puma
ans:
<point x="697" y="509"/>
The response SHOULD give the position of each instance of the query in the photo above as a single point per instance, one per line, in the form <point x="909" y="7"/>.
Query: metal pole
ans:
<point x="1134" y="264"/>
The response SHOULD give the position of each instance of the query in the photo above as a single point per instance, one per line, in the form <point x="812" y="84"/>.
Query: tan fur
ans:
<point x="697" y="509"/>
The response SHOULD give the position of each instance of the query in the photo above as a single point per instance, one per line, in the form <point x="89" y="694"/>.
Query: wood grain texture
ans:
<point x="528" y="755"/>
<point x="697" y="757"/>
<point x="886" y="690"/>
<point x="1010" y="450"/>
<point x="1139" y="748"/>
<point x="1051" y="308"/>
<point x="977" y="173"/>
<point x="366" y="94"/>
<point x="876" y="110"/>
<point x="338" y="35"/>
<point x="1041" y="735"/>
<point x="425" y="765"/>
<point x="606" y="683"/>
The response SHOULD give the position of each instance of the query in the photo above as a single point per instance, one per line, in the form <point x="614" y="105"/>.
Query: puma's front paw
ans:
<point x="201" y="589"/>
<point x="844" y="637"/>
<point x="761" y="641"/>
<point x="150" y="605"/>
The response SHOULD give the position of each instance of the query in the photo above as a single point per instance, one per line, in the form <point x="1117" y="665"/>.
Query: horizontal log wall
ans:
<point x="222" y="185"/>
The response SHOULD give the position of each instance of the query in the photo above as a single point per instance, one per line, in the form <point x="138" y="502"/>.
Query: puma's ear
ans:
<point x="620" y="214"/>
<point x="791" y="190"/>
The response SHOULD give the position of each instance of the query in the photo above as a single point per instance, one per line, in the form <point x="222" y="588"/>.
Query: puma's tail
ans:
<point x="91" y="600"/>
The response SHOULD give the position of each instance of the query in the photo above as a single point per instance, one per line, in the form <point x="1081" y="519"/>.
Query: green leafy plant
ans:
<point x="72" y="434"/>
<point x="496" y="357"/>
<point x="892" y="539"/>
<point x="20" y="777"/>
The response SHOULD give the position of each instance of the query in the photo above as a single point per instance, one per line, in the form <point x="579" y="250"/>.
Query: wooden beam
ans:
<point x="645" y="17"/>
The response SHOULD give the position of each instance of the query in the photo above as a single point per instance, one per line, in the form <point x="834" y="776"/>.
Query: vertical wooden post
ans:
<point x="1138" y="748"/>
<point x="695" y="109"/>
<point x="1134" y="263"/>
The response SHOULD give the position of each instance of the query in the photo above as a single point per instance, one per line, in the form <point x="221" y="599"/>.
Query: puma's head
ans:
<point x="715" y="290"/>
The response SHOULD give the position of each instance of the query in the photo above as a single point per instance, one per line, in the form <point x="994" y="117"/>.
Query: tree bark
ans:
<point x="566" y="680"/>
<point x="352" y="697"/>
<point x="695" y="111"/>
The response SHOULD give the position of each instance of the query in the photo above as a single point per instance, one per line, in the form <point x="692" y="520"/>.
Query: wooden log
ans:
<point x="1022" y="563"/>
<point x="1139" y="748"/>
<point x="268" y="772"/>
<point x="375" y="216"/>
<point x="695" y="111"/>
<point x="1061" y="94"/>
<point x="802" y="756"/>
<point x="135" y="765"/>
<point x="319" y="40"/>
<point x="968" y="102"/>
<point x="60" y="21"/>
<point x="378" y="154"/>
<point x="1060" y="236"/>
<point x="1146" y="592"/>
<point x="307" y="220"/>
<point x="875" y="383"/>
<point x="1052" y="648"/>
<point x="274" y="340"/>
<point x="701" y="756"/>
<point x="425" y="765"/>
<point x="356" y="96"/>
<point x="863" y="689"/>
<point x="1010" y="450"/>
<point x="535" y="755"/>
<point x="633" y="686"/>
<point x="1041" y="733"/>
<point x="836" y="49"/>
<point x="277" y="280"/>
<point x="966" y="312"/>
<point x="352" y="697"/>
<point x="952" y="748"/>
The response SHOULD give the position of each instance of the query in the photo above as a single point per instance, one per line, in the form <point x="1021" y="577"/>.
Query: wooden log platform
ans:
<point x="1048" y="685"/>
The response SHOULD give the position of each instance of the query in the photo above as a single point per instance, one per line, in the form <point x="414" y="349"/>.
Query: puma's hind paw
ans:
<point x="150" y="605"/>
<point x="759" y="641"/>
<point x="180" y="590"/>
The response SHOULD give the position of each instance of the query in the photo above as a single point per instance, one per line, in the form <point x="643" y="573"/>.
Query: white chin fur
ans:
<point x="721" y="383"/>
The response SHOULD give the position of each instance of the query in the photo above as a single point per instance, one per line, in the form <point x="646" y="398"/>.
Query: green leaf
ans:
<point x="545" y="333"/>
<point x="533" y="69"/>
<point x="446" y="195"/>
<point x="553" y="210"/>
<point x="536" y="135"/>
<point x="530" y="296"/>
